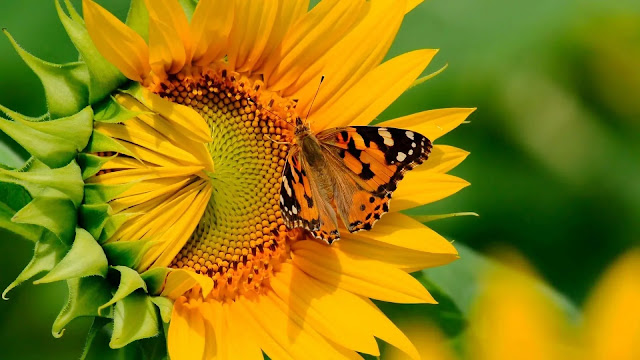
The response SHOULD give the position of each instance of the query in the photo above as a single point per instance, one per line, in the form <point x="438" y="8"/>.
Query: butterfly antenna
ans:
<point x="314" y="97"/>
<point x="272" y="113"/>
<point x="263" y="108"/>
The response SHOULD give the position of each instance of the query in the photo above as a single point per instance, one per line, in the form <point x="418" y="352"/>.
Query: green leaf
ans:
<point x="130" y="281"/>
<point x="85" y="258"/>
<point x="127" y="253"/>
<point x="38" y="177"/>
<point x="155" y="279"/>
<point x="165" y="305"/>
<point x="138" y="18"/>
<point x="65" y="86"/>
<point x="94" y="217"/>
<point x="52" y="210"/>
<point x="102" y="143"/>
<point x="47" y="253"/>
<point x="75" y="129"/>
<point x="135" y="318"/>
<point x="85" y="295"/>
<point x="91" y="164"/>
<point x="104" y="78"/>
<point x="462" y="281"/>
<point x="110" y="111"/>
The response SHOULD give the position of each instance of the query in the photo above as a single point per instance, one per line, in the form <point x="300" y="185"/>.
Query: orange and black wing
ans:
<point x="301" y="203"/>
<point x="372" y="160"/>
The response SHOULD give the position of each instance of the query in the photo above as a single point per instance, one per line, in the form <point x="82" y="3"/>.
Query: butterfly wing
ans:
<point x="302" y="202"/>
<point x="372" y="161"/>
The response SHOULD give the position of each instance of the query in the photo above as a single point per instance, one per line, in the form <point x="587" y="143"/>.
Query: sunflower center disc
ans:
<point x="240" y="239"/>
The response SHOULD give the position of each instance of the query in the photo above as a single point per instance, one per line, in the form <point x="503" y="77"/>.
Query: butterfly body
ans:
<point x="345" y="173"/>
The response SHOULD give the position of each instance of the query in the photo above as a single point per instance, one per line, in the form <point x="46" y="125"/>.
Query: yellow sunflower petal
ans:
<point x="612" y="316"/>
<point x="119" y="44"/>
<point x="240" y="345"/>
<point x="424" y="187"/>
<point x="371" y="278"/>
<point x="433" y="123"/>
<point x="309" y="40"/>
<point x="169" y="36"/>
<point x="308" y="299"/>
<point x="289" y="332"/>
<point x="341" y="308"/>
<point x="252" y="27"/>
<point x="353" y="57"/>
<point x="214" y="328"/>
<point x="183" y="117"/>
<point x="180" y="281"/>
<point x="210" y="28"/>
<point x="402" y="241"/>
<point x="289" y="12"/>
<point x="186" y="336"/>
<point x="442" y="159"/>
<point x="374" y="92"/>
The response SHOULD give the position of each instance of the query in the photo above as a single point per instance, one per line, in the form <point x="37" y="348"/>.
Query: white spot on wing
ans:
<point x="401" y="156"/>
<point x="386" y="136"/>
<point x="410" y="152"/>
<point x="287" y="188"/>
<point x="413" y="145"/>
<point x="295" y="210"/>
<point x="409" y="134"/>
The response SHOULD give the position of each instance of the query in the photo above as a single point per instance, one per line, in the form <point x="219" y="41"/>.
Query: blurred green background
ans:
<point x="554" y="143"/>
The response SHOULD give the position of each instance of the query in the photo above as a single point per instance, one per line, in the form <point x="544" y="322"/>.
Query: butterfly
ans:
<point x="347" y="173"/>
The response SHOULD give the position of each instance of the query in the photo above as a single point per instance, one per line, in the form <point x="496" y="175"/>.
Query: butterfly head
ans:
<point x="302" y="128"/>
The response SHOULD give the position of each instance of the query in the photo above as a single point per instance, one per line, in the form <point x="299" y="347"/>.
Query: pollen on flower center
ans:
<point x="240" y="239"/>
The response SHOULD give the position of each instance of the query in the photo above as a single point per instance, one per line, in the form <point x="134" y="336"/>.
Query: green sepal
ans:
<point x="91" y="164"/>
<point x="85" y="295"/>
<point x="111" y="111"/>
<point x="94" y="217"/>
<point x="65" y="86"/>
<point x="155" y="279"/>
<point x="165" y="306"/>
<point x="127" y="253"/>
<point x="113" y="224"/>
<point x="101" y="193"/>
<point x="52" y="150"/>
<point x="100" y="142"/>
<point x="135" y="318"/>
<point x="104" y="78"/>
<point x="47" y="253"/>
<point x="138" y="18"/>
<point x="52" y="210"/>
<point x="25" y="231"/>
<point x="130" y="281"/>
<point x="75" y="129"/>
<point x="14" y="197"/>
<point x="37" y="177"/>
<point x="97" y="345"/>
<point x="97" y="327"/>
<point x="85" y="258"/>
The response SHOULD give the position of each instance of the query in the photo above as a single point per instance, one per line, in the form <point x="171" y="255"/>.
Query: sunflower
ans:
<point x="169" y="140"/>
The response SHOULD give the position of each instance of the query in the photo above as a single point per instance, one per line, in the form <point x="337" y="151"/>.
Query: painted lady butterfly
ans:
<point x="350" y="170"/>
